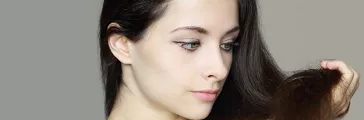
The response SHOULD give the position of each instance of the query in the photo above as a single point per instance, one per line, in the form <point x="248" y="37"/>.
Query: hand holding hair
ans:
<point x="344" y="91"/>
<point x="316" y="94"/>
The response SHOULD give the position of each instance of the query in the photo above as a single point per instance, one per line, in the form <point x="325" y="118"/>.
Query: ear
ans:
<point x="119" y="46"/>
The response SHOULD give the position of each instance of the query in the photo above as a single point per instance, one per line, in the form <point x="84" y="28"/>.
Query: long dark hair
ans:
<point x="253" y="79"/>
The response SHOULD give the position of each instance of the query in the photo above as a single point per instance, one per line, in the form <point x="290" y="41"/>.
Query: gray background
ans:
<point x="49" y="57"/>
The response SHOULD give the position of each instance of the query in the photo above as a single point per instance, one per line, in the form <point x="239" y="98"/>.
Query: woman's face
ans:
<point x="182" y="62"/>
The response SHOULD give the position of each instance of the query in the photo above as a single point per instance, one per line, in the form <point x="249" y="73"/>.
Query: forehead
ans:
<point x="209" y="14"/>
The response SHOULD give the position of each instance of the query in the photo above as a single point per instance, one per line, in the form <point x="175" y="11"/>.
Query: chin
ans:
<point x="197" y="117"/>
<point x="198" y="113"/>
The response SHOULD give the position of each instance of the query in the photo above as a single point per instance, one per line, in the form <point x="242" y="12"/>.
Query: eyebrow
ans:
<point x="202" y="30"/>
<point x="191" y="28"/>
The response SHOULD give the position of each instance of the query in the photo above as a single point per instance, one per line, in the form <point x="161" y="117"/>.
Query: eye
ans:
<point x="228" y="46"/>
<point x="190" y="46"/>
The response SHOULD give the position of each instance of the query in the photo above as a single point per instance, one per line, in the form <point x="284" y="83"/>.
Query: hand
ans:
<point x="344" y="91"/>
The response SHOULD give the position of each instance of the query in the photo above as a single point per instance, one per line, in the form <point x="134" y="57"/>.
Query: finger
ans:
<point x="339" y="106"/>
<point x="358" y="82"/>
<point x="344" y="110"/>
<point x="339" y="97"/>
<point x="347" y="73"/>
<point x="323" y="64"/>
<point x="354" y="83"/>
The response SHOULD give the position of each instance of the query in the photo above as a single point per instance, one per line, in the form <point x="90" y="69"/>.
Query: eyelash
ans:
<point x="198" y="44"/>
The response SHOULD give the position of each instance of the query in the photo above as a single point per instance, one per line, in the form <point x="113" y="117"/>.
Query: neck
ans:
<point x="132" y="105"/>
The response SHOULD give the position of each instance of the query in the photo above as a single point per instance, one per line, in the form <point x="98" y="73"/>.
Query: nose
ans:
<point x="215" y="68"/>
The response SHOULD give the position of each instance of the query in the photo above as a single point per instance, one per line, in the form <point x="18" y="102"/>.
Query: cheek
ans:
<point x="175" y="66"/>
<point x="228" y="59"/>
<point x="159" y="69"/>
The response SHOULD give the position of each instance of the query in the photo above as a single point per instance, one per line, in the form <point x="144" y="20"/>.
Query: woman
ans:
<point x="190" y="59"/>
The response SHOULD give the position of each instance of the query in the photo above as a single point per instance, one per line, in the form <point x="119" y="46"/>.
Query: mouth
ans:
<point x="206" y="95"/>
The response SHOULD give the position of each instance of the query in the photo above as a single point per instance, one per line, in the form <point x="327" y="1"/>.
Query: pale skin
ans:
<point x="160" y="72"/>
<point x="345" y="90"/>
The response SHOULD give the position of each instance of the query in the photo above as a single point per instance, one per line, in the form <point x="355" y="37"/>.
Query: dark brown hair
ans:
<point x="306" y="95"/>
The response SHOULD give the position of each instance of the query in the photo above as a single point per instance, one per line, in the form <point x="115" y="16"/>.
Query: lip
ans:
<point x="206" y="95"/>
